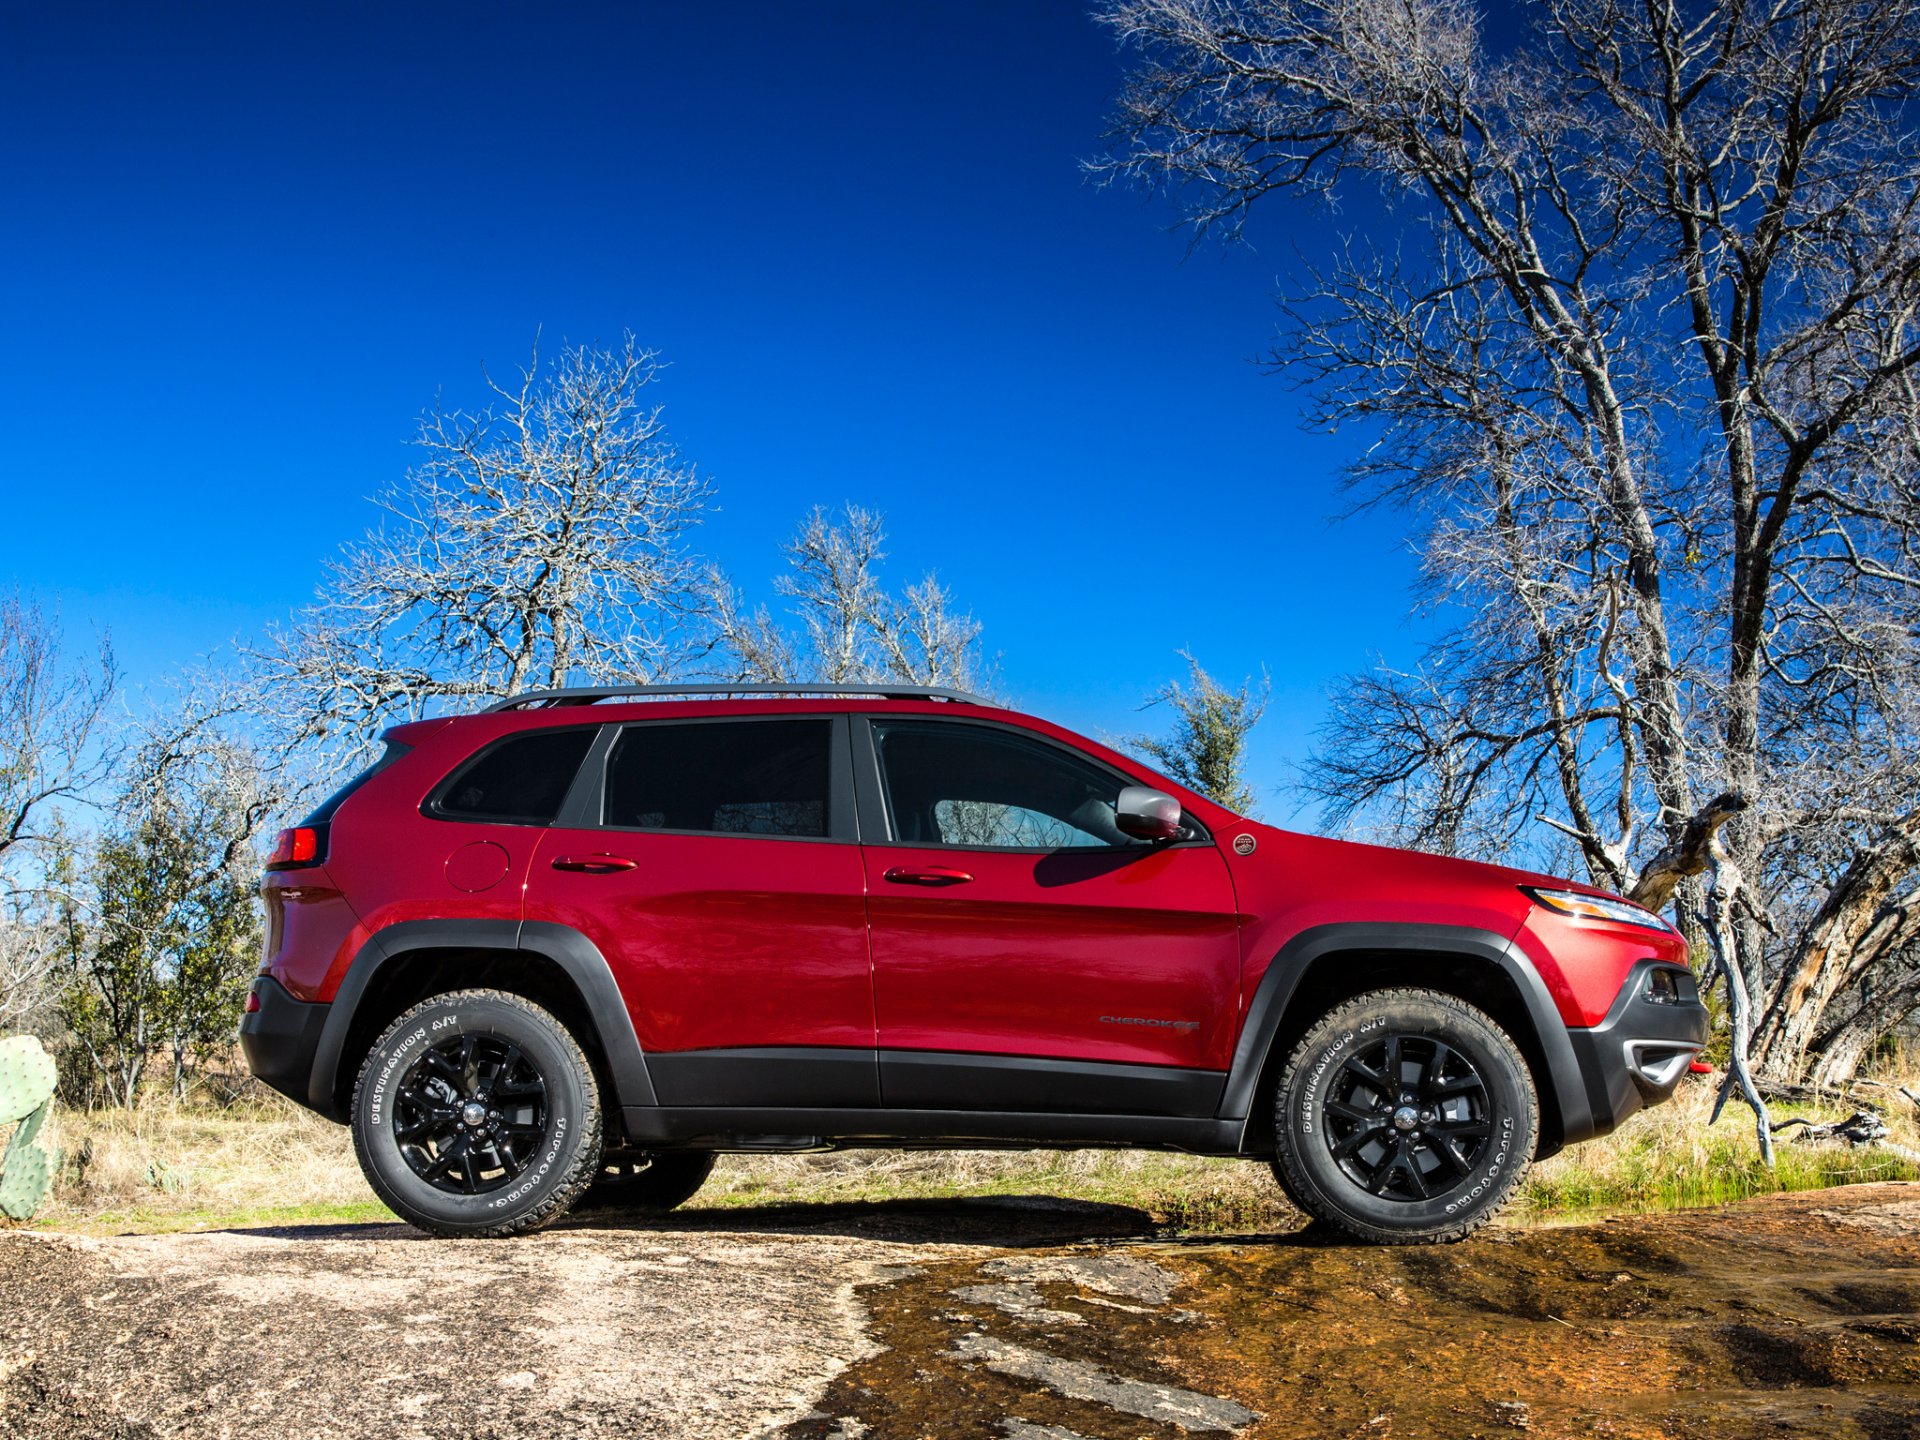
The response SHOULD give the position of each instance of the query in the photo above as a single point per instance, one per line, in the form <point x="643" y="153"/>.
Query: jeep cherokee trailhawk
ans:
<point x="585" y="941"/>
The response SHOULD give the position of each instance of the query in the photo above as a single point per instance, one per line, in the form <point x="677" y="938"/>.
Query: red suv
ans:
<point x="589" y="939"/>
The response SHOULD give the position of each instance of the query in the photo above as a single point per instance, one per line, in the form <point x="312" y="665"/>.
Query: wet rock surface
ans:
<point x="1791" y="1316"/>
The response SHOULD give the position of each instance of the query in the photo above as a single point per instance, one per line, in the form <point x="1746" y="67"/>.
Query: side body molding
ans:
<point x="576" y="955"/>
<point x="1297" y="956"/>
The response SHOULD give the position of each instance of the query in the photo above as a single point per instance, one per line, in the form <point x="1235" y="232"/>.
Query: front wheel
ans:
<point x="1405" y="1117"/>
<point x="476" y="1114"/>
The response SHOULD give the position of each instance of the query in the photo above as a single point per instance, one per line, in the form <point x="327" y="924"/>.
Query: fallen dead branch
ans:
<point x="1861" y="1128"/>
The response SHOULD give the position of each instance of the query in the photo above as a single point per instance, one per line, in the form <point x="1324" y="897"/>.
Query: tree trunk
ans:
<point x="1849" y="933"/>
<point x="1880" y="997"/>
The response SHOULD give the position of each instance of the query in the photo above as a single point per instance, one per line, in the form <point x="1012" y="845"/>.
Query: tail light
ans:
<point x="294" y="849"/>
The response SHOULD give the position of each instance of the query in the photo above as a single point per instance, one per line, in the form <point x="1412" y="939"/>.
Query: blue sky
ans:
<point x="241" y="247"/>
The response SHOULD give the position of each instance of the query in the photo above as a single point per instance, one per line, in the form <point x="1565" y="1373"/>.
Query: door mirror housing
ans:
<point x="1147" y="814"/>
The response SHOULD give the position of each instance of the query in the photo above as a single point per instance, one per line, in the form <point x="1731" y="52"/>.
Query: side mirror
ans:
<point x="1146" y="814"/>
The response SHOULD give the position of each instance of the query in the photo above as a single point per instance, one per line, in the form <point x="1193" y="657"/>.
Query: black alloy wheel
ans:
<point x="470" y="1114"/>
<point x="1407" y="1117"/>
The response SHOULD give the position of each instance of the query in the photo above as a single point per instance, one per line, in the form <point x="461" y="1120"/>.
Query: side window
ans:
<point x="516" y="782"/>
<point x="949" y="783"/>
<point x="735" y="777"/>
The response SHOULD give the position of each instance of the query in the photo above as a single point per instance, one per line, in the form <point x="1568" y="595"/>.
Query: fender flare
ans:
<point x="577" y="956"/>
<point x="1296" y="957"/>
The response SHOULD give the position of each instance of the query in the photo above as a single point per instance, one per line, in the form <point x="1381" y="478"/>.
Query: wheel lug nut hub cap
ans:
<point x="474" y="1113"/>
<point x="1405" y="1118"/>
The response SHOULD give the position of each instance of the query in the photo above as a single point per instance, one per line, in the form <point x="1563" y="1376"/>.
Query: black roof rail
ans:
<point x="592" y="694"/>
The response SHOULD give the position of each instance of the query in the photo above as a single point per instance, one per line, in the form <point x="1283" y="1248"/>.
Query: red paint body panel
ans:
<point x="721" y="940"/>
<point x="399" y="871"/>
<point x="1058" y="954"/>
<point x="1584" y="962"/>
<point x="311" y="931"/>
<point x="1293" y="883"/>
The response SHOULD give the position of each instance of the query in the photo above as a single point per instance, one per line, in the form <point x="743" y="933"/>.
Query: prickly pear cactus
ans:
<point x="26" y="1097"/>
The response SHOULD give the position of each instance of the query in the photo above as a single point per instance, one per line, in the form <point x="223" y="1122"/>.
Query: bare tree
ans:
<point x="55" y="747"/>
<point x="539" y="543"/>
<point x="1687" y="570"/>
<point x="1207" y="747"/>
<point x="852" y="630"/>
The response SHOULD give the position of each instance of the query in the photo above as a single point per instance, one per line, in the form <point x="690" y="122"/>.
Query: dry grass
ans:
<point x="168" y="1166"/>
<point x="164" y="1165"/>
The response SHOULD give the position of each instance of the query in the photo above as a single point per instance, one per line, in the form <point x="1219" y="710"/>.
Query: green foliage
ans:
<point x="160" y="964"/>
<point x="1206" y="749"/>
<point x="1639" y="1178"/>
<point x="26" y="1099"/>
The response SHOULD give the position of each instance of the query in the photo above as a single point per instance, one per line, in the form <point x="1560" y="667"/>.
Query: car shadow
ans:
<point x="1000" y="1221"/>
<point x="995" y="1220"/>
<point x="992" y="1220"/>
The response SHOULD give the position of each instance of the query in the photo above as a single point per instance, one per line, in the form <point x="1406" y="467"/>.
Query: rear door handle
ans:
<point x="594" y="864"/>
<point x="930" y="875"/>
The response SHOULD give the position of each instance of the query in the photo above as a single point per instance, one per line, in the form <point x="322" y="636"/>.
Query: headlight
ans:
<point x="1597" y="907"/>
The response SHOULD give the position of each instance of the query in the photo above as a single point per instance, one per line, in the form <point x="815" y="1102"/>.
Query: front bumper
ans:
<point x="1635" y="1057"/>
<point x="280" y="1038"/>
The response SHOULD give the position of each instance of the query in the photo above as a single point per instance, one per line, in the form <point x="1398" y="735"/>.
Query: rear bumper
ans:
<point x="281" y="1037"/>
<point x="1636" y="1056"/>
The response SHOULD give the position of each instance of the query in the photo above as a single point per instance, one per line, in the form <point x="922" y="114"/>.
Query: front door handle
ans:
<point x="929" y="875"/>
<point x="594" y="864"/>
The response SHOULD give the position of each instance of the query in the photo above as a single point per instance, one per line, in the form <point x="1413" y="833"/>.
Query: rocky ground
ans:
<point x="1792" y="1316"/>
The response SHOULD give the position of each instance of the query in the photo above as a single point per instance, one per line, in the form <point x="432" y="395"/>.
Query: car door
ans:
<point x="714" y="863"/>
<point x="1027" y="955"/>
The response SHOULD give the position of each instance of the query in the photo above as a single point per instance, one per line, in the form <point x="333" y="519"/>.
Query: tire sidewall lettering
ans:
<point x="396" y="1060"/>
<point x="1307" y="1108"/>
<point x="1486" y="1180"/>
<point x="538" y="1173"/>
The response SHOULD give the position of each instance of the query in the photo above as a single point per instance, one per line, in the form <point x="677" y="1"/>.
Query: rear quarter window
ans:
<point x="517" y="781"/>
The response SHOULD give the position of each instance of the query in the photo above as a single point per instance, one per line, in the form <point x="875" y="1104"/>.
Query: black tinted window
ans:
<point x="744" y="777"/>
<point x="989" y="789"/>
<point x="519" y="781"/>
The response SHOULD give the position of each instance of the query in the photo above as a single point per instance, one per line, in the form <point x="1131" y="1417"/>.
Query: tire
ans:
<point x="1428" y="1163"/>
<point x="477" y="1115"/>
<point x="648" y="1182"/>
<point x="1286" y="1188"/>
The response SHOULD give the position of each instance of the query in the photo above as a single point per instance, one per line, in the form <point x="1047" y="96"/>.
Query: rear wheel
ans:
<point x="476" y="1114"/>
<point x="648" y="1182"/>
<point x="1404" y="1117"/>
